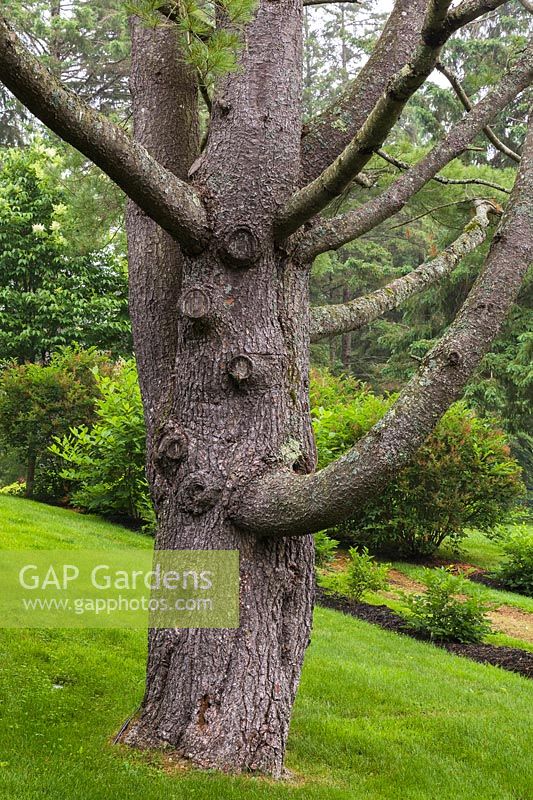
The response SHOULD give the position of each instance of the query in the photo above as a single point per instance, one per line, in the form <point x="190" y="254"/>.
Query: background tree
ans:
<point x="50" y="294"/>
<point x="221" y="242"/>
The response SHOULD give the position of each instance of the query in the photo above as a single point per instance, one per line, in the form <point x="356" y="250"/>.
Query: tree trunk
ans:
<point x="30" y="473"/>
<point x="237" y="405"/>
<point x="346" y="338"/>
<point x="229" y="401"/>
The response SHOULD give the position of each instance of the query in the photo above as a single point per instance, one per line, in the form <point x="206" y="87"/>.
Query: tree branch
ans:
<point x="468" y="11"/>
<point x="332" y="233"/>
<point x="159" y="193"/>
<point x="465" y="100"/>
<point x="346" y="317"/>
<point x="326" y="135"/>
<point x="314" y="197"/>
<point x="403" y="165"/>
<point x="285" y="504"/>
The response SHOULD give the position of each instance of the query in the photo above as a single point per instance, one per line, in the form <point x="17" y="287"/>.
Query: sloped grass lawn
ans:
<point x="378" y="716"/>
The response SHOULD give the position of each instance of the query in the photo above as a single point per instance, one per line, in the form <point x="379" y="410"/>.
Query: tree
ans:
<point x="221" y="241"/>
<point x="50" y="295"/>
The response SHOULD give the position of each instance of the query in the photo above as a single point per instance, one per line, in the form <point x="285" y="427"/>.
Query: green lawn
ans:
<point x="378" y="716"/>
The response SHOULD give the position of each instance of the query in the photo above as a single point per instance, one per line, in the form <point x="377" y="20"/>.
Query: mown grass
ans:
<point x="378" y="716"/>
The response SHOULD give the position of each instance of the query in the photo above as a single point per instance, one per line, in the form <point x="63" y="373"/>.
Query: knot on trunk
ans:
<point x="196" y="303"/>
<point x="240" y="248"/>
<point x="171" y="449"/>
<point x="199" y="493"/>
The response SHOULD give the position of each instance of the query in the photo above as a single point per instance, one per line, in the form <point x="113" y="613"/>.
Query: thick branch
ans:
<point x="327" y="134"/>
<point x="468" y="11"/>
<point x="159" y="193"/>
<point x="285" y="504"/>
<point x="345" y="317"/>
<point x="330" y="234"/>
<point x="337" y="176"/>
<point x="465" y="100"/>
<point x="403" y="165"/>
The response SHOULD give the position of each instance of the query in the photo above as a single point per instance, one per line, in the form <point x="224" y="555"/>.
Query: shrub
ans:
<point x="463" y="476"/>
<point x="516" y="572"/>
<point x="106" y="462"/>
<point x="325" y="548"/>
<point x="364" y="574"/>
<point x="39" y="402"/>
<point x="449" y="610"/>
<point x="17" y="489"/>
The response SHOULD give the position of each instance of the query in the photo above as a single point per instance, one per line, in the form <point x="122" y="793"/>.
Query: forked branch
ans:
<point x="465" y="100"/>
<point x="169" y="201"/>
<point x="314" y="197"/>
<point x="331" y="234"/>
<point x="345" y="317"/>
<point x="283" y="503"/>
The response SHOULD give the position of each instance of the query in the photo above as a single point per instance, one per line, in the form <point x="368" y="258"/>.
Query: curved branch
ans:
<point x="169" y="201"/>
<point x="403" y="165"/>
<point x="346" y="317"/>
<point x="465" y="100"/>
<point x="314" y="197"/>
<point x="332" y="233"/>
<point x="285" y="504"/>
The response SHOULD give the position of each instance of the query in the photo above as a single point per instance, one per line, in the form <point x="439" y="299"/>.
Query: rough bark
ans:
<point x="314" y="197"/>
<point x="165" y="198"/>
<point x="329" y="234"/>
<point x="281" y="504"/>
<point x="165" y="115"/>
<point x="237" y="401"/>
<point x="221" y="329"/>
<point x="345" y="317"/>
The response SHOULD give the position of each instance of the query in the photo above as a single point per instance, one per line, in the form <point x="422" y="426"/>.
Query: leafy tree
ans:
<point x="51" y="296"/>
<point x="222" y="232"/>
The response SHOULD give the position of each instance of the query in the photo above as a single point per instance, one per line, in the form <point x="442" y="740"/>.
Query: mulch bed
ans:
<point x="510" y="658"/>
<point x="480" y="576"/>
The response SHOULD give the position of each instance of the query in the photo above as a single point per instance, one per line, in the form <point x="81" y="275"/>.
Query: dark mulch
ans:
<point x="483" y="577"/>
<point x="510" y="658"/>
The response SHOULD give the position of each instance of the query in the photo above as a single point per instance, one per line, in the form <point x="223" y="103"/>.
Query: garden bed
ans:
<point x="509" y="658"/>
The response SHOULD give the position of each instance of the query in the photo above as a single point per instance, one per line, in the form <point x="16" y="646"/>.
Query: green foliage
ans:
<point x="449" y="610"/>
<point x="212" y="49"/>
<point x="50" y="295"/>
<point x="516" y="571"/>
<point x="17" y="489"/>
<point x="40" y="402"/>
<point x="342" y="410"/>
<point x="463" y="476"/>
<point x="325" y="548"/>
<point x="105" y="462"/>
<point x="364" y="574"/>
